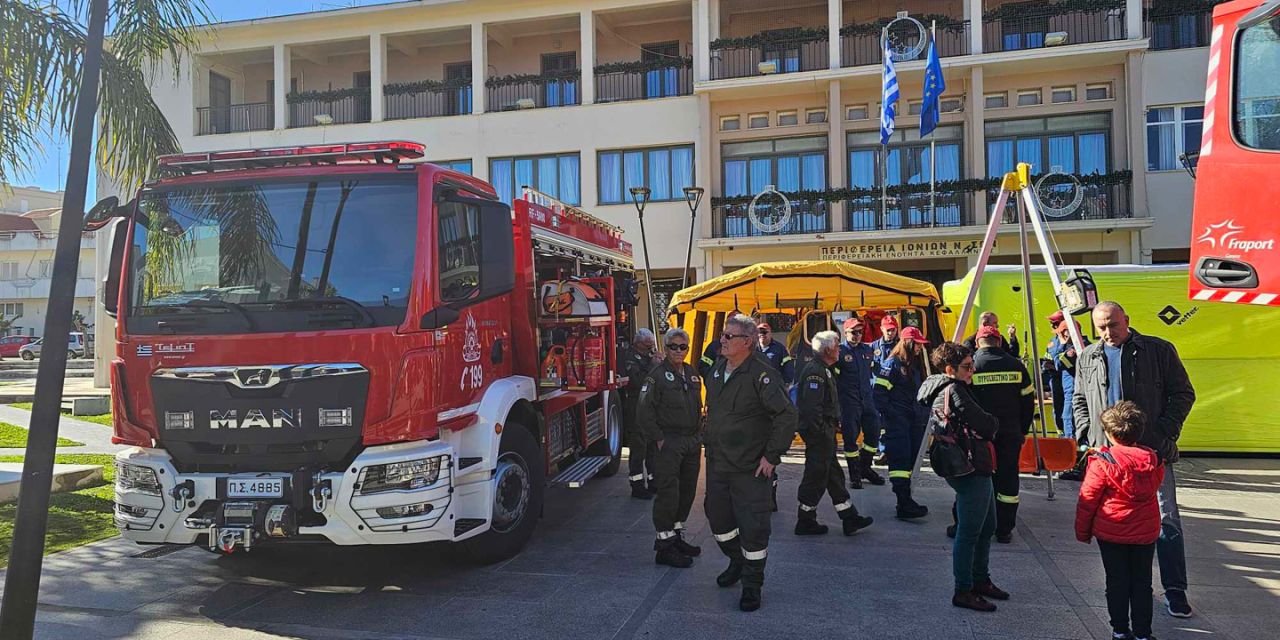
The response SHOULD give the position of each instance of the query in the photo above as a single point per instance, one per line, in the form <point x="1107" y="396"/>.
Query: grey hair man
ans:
<point x="1127" y="365"/>
<point x="990" y="319"/>
<point x="638" y="360"/>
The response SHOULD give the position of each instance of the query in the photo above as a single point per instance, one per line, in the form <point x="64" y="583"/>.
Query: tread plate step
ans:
<point x="581" y="471"/>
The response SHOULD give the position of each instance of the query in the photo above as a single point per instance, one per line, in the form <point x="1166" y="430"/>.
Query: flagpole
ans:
<point x="933" y="145"/>
<point x="884" y="147"/>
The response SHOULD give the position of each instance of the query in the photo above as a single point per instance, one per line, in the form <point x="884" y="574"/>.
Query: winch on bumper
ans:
<point x="394" y="494"/>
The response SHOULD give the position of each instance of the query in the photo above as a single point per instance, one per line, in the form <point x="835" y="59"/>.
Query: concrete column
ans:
<point x="975" y="142"/>
<point x="701" y="40"/>
<point x="973" y="13"/>
<point x="588" y="56"/>
<point x="703" y="161"/>
<point x="282" y="74"/>
<point x="479" y="67"/>
<point x="835" y="9"/>
<point x="837" y="175"/>
<point x="1133" y="19"/>
<point x="377" y="75"/>
<point x="1135" y="129"/>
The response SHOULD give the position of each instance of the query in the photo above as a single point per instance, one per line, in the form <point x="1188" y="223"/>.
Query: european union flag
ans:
<point x="934" y="85"/>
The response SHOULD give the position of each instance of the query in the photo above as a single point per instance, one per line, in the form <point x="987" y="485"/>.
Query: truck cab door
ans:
<point x="474" y="278"/>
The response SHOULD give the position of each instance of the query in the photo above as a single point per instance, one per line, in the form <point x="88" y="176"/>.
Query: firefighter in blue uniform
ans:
<point x="775" y="353"/>
<point x="1063" y="356"/>
<point x="858" y="414"/>
<point x="882" y="346"/>
<point x="897" y="382"/>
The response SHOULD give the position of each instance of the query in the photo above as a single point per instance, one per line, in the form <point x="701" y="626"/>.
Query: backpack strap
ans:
<point x="1106" y="455"/>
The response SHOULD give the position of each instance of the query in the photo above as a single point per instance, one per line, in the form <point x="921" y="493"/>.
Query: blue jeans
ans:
<point x="975" y="524"/>
<point x="1170" y="547"/>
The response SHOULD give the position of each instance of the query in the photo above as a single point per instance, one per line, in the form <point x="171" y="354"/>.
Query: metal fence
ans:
<point x="534" y="94"/>
<point x="1036" y="28"/>
<point x="429" y="103"/>
<point x="234" y="118"/>
<point x="644" y="85"/>
<point x="732" y="221"/>
<point x="910" y="212"/>
<point x="1181" y="31"/>
<point x="858" y="49"/>
<point x="1100" y="202"/>
<point x="786" y="56"/>
<point x="345" y="110"/>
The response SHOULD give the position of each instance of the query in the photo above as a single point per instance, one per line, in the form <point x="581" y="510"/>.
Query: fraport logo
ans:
<point x="1222" y="236"/>
<point x="144" y="351"/>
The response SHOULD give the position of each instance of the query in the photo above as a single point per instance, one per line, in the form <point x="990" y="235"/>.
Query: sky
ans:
<point x="50" y="168"/>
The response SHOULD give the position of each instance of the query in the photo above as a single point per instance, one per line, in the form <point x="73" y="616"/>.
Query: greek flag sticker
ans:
<point x="144" y="351"/>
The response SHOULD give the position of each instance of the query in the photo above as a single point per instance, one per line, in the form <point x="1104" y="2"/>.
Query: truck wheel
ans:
<point x="611" y="445"/>
<point x="519" y="482"/>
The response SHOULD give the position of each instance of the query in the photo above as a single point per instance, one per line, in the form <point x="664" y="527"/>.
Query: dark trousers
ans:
<point x="975" y="512"/>
<point x="1008" y="449"/>
<point x="868" y="426"/>
<point x="675" y="478"/>
<point x="737" y="505"/>
<point x="901" y="442"/>
<point x="1128" y="569"/>
<point x="822" y="473"/>
<point x="644" y="452"/>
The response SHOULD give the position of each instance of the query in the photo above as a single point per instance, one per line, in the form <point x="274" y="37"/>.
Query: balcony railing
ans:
<point x="510" y="93"/>
<point x="344" y="106"/>
<point x="427" y="99"/>
<point x="234" y="118"/>
<point x="1100" y="202"/>
<point x="911" y="211"/>
<point x="619" y="82"/>
<point x="769" y="53"/>
<point x="732" y="221"/>
<point x="860" y="44"/>
<point x="1016" y="27"/>
<point x="1169" y="30"/>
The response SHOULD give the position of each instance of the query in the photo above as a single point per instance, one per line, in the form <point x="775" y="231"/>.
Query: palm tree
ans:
<point x="41" y="48"/>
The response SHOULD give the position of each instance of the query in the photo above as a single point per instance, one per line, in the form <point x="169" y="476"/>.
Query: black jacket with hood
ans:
<point x="966" y="413"/>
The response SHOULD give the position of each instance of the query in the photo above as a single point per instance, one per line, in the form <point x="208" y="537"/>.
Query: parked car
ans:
<point x="80" y="346"/>
<point x="10" y="345"/>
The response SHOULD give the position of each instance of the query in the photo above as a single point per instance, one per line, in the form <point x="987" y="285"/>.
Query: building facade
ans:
<point x="583" y="100"/>
<point x="27" y="244"/>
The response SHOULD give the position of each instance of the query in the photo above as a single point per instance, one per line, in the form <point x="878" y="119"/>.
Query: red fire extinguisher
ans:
<point x="553" y="367"/>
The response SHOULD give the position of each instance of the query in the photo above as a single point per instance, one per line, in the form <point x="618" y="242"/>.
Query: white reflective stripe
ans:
<point x="1204" y="294"/>
<point x="755" y="555"/>
<point x="847" y="504"/>
<point x="805" y="507"/>
<point x="637" y="477"/>
<point x="1264" y="298"/>
<point x="725" y="537"/>
<point x="666" y="535"/>
<point x="1233" y="296"/>
<point x="457" y="413"/>
<point x="679" y="526"/>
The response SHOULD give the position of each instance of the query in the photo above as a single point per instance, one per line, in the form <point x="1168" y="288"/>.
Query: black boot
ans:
<point x="869" y="474"/>
<point x="639" y="491"/>
<point x="691" y="550"/>
<point x="852" y="522"/>
<point x="855" y="471"/>
<point x="750" y="600"/>
<point x="810" y="527"/>
<point x="908" y="509"/>
<point x="668" y="554"/>
<point x="732" y="574"/>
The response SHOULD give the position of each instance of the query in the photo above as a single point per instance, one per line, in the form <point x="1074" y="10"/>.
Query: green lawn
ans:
<point x="75" y="518"/>
<point x="12" y="436"/>
<point x="104" y="419"/>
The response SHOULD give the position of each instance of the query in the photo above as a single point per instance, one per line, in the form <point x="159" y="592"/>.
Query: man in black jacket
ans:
<point x="990" y="319"/>
<point x="819" y="404"/>
<point x="637" y="361"/>
<point x="1005" y="390"/>
<point x="750" y="424"/>
<point x="1126" y="365"/>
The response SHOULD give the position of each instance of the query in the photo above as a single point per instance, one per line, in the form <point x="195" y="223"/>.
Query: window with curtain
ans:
<point x="1073" y="144"/>
<point x="556" y="175"/>
<point x="789" y="164"/>
<point x="1171" y="132"/>
<point x="908" y="162"/>
<point x="665" y="170"/>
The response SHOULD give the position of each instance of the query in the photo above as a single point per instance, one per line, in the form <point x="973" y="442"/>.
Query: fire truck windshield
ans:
<point x="272" y="256"/>
<point x="1257" y="90"/>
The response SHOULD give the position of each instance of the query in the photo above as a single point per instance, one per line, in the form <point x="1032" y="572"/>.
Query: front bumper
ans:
<point x="345" y="515"/>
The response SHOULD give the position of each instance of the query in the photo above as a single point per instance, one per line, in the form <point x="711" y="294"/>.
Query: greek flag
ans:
<point x="888" y="94"/>
<point x="934" y="85"/>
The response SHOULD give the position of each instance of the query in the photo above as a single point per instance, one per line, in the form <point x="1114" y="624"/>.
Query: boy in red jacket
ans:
<point x="1118" y="506"/>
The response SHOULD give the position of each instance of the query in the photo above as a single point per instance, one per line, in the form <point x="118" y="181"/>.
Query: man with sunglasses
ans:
<point x="671" y="412"/>
<point x="750" y="424"/>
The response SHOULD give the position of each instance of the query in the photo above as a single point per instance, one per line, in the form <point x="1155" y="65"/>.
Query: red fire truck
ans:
<point x="343" y="343"/>
<point x="1234" y="256"/>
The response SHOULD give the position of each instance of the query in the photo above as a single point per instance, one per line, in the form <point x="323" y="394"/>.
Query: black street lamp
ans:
<point x="640" y="197"/>
<point x="692" y="197"/>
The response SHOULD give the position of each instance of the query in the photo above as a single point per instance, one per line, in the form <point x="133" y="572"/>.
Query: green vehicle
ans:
<point x="1231" y="351"/>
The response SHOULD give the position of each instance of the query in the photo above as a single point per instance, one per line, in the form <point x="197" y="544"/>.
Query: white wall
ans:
<point x="1171" y="78"/>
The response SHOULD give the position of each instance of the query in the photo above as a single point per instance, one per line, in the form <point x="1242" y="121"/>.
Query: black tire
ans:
<point x="611" y="445"/>
<point x="28" y="356"/>
<point x="71" y="355"/>
<point x="520" y="481"/>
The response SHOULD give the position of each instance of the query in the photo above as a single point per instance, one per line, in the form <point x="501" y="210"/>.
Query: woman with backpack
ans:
<point x="963" y="454"/>
<point x="897" y="382"/>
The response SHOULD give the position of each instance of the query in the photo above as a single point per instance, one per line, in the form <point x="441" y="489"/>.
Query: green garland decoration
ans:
<point x="1020" y="11"/>
<point x="327" y="95"/>
<point x="532" y="78"/>
<point x="943" y="22"/>
<point x="425" y="86"/>
<point x="644" y="66"/>
<point x="1170" y="8"/>
<point x="798" y="35"/>
<point x="968" y="185"/>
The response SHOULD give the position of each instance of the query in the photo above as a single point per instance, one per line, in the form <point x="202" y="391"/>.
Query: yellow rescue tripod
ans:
<point x="1018" y="183"/>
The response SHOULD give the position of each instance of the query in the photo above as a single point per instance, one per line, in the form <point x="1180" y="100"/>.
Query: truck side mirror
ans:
<point x="439" y="317"/>
<point x="101" y="213"/>
<point x="111" y="281"/>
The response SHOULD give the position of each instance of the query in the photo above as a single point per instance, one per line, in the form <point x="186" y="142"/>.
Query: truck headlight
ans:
<point x="402" y="476"/>
<point x="132" y="477"/>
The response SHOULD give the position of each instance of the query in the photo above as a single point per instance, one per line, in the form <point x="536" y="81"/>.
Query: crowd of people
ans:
<point x="1124" y="398"/>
